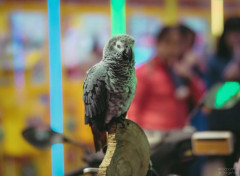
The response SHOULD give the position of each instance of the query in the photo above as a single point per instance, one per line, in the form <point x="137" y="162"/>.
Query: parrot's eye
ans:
<point x="118" y="46"/>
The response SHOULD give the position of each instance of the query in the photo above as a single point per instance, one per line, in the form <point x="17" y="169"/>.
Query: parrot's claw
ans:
<point x="105" y="149"/>
<point x="121" y="120"/>
<point x="123" y="125"/>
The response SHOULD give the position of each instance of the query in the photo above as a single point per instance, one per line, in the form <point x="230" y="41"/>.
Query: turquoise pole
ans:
<point x="55" y="70"/>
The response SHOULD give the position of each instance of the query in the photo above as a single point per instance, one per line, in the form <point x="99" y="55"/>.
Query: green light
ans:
<point x="228" y="90"/>
<point x="118" y="17"/>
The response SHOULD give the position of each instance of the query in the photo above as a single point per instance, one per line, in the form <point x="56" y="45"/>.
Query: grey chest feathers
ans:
<point x="120" y="92"/>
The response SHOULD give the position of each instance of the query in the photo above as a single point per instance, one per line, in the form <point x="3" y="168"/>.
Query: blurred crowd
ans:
<point x="171" y="85"/>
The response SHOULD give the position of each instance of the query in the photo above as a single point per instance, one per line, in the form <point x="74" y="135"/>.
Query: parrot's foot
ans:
<point x="105" y="149"/>
<point x="121" y="120"/>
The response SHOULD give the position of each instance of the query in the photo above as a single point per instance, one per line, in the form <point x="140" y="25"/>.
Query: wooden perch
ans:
<point x="128" y="151"/>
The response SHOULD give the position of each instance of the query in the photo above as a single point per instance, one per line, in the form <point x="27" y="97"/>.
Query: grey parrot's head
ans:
<point x="119" y="48"/>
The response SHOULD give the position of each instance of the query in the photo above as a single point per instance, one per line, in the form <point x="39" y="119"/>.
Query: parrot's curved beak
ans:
<point x="128" y="53"/>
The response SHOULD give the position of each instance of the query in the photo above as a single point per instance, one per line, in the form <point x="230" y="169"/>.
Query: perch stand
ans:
<point x="128" y="151"/>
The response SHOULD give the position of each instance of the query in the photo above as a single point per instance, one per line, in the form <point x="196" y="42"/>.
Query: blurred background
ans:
<point x="85" y="28"/>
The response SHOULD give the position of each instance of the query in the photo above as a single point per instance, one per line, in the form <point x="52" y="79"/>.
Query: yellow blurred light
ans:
<point x="3" y="23"/>
<point x="32" y="58"/>
<point x="217" y="17"/>
<point x="171" y="12"/>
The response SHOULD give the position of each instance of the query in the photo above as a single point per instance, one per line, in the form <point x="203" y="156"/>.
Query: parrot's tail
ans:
<point x="99" y="137"/>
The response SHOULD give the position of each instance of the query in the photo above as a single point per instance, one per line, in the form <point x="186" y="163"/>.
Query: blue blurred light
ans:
<point x="57" y="160"/>
<point x="142" y="55"/>
<point x="55" y="70"/>
<point x="55" y="66"/>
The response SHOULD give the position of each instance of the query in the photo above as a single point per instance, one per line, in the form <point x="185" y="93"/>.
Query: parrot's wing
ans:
<point x="95" y="100"/>
<point x="95" y="96"/>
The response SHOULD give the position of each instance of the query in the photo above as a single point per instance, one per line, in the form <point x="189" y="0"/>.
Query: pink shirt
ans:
<point x="155" y="106"/>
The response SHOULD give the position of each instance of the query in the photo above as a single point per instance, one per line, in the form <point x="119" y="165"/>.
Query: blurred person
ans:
<point x="156" y="106"/>
<point x="225" y="64"/>
<point x="165" y="86"/>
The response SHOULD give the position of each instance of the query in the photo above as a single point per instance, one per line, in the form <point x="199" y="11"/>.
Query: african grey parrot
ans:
<point x="109" y="87"/>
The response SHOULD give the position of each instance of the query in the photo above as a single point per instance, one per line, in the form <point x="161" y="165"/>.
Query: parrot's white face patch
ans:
<point x="119" y="46"/>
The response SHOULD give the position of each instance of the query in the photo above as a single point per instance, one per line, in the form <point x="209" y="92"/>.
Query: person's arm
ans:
<point x="197" y="89"/>
<point x="213" y="74"/>
<point x="195" y="85"/>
